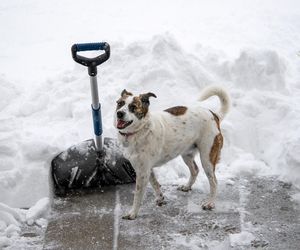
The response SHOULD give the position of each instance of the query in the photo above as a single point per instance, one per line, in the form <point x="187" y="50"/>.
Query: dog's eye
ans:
<point x="131" y="107"/>
<point x="120" y="104"/>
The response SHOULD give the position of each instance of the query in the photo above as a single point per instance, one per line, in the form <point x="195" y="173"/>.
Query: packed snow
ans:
<point x="171" y="48"/>
<point x="12" y="219"/>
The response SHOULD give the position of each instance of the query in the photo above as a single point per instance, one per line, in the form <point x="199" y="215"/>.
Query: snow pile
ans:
<point x="9" y="224"/>
<point x="11" y="220"/>
<point x="262" y="69"/>
<point x="264" y="120"/>
<point x="38" y="211"/>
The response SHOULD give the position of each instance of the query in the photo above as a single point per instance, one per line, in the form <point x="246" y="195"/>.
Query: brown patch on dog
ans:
<point x="215" y="151"/>
<point x="140" y="105"/>
<point x="196" y="169"/>
<point x="138" y="108"/>
<point x="125" y="93"/>
<point x="177" y="111"/>
<point x="217" y="120"/>
<point x="121" y="101"/>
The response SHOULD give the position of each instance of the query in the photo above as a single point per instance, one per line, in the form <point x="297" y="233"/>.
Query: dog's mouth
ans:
<point x="121" y="124"/>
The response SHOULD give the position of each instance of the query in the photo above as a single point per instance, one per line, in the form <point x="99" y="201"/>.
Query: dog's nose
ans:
<point x="120" y="114"/>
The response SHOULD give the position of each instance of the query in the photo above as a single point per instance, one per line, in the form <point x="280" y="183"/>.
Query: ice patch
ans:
<point x="117" y="213"/>
<point x="241" y="239"/>
<point x="296" y="197"/>
<point x="189" y="242"/>
<point x="229" y="182"/>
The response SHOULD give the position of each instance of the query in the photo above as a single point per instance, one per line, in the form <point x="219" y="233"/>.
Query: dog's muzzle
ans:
<point x="121" y="124"/>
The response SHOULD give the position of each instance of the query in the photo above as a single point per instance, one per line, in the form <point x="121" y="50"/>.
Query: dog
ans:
<point x="152" y="139"/>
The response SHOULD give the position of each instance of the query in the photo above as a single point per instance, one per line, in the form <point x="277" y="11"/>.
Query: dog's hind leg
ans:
<point x="210" y="154"/>
<point x="160" y="199"/>
<point x="209" y="203"/>
<point x="188" y="159"/>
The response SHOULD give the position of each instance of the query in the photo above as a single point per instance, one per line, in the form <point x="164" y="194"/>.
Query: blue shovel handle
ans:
<point x="91" y="63"/>
<point x="90" y="46"/>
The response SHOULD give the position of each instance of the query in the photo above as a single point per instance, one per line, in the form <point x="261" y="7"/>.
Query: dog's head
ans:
<point x="132" y="111"/>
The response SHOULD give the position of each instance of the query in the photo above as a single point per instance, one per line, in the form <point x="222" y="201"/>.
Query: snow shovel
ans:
<point x="91" y="163"/>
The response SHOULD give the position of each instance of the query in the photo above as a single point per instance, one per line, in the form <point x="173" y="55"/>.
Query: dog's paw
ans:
<point x="161" y="201"/>
<point x="129" y="216"/>
<point x="208" y="205"/>
<point x="184" y="188"/>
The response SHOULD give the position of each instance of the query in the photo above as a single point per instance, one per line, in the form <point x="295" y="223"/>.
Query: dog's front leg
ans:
<point x="142" y="179"/>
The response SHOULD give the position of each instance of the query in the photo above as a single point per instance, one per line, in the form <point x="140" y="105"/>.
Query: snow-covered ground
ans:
<point x="172" y="48"/>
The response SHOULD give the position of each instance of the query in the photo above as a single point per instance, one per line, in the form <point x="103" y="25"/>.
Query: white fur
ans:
<point x="160" y="137"/>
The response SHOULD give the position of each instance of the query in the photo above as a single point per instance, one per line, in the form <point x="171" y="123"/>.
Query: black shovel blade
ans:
<point x="82" y="167"/>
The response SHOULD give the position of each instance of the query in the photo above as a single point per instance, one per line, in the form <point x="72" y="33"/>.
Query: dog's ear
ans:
<point x="145" y="97"/>
<point x="125" y="93"/>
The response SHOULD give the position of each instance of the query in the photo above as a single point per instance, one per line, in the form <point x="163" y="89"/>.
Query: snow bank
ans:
<point x="10" y="224"/>
<point x="8" y="92"/>
<point x="264" y="120"/>
<point x="260" y="69"/>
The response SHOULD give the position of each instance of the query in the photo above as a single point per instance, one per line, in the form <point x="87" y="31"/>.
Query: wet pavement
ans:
<point x="260" y="206"/>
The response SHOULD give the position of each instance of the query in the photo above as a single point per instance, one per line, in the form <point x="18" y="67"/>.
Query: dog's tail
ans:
<point x="223" y="96"/>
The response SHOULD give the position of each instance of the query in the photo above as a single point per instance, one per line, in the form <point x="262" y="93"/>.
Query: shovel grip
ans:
<point x="91" y="63"/>
<point x="90" y="46"/>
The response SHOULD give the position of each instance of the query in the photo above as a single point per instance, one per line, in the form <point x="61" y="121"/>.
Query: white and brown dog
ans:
<point x="152" y="139"/>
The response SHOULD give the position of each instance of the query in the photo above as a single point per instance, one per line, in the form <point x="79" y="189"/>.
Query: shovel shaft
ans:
<point x="94" y="92"/>
<point x="96" y="111"/>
